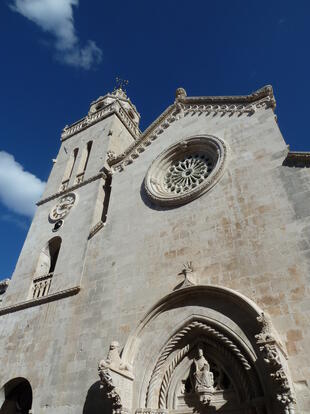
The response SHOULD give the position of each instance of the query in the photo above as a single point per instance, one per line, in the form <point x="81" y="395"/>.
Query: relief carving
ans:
<point x="188" y="273"/>
<point x="275" y="357"/>
<point x="116" y="379"/>
<point x="110" y="389"/>
<point x="113" y="359"/>
<point x="202" y="378"/>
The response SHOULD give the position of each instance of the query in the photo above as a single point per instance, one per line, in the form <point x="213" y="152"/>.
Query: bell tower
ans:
<point x="75" y="202"/>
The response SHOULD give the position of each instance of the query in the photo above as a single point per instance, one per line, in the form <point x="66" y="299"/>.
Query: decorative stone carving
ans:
<point x="99" y="110"/>
<point x="3" y="287"/>
<point x="63" y="207"/>
<point x="116" y="379"/>
<point x="207" y="105"/>
<point x="99" y="176"/>
<point x="186" y="174"/>
<point x="202" y="378"/>
<point x="275" y="357"/>
<point x="188" y="273"/>
<point x="186" y="170"/>
<point x="110" y="389"/>
<point x="113" y="359"/>
<point x="111" y="156"/>
<point x="180" y="93"/>
<point x="157" y="376"/>
<point x="266" y="329"/>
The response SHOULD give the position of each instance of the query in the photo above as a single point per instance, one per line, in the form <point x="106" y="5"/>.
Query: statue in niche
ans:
<point x="202" y="378"/>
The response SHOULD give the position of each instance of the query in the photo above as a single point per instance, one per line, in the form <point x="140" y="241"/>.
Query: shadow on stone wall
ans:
<point x="97" y="401"/>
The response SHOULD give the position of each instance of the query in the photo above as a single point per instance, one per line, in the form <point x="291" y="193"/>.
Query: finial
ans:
<point x="120" y="83"/>
<point x="180" y="93"/>
<point x="188" y="273"/>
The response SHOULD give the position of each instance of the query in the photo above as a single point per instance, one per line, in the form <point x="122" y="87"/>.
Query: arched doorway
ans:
<point x="17" y="394"/>
<point x="208" y="349"/>
<point x="201" y="369"/>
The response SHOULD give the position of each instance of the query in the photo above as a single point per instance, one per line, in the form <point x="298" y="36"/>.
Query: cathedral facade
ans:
<point x="165" y="271"/>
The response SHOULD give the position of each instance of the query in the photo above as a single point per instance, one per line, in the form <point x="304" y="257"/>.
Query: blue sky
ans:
<point x="59" y="55"/>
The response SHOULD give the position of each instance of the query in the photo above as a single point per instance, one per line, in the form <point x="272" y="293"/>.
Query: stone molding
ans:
<point x="172" y="345"/>
<point x="94" y="230"/>
<point x="73" y="187"/>
<point x="151" y="411"/>
<point x="183" y="106"/>
<point x="297" y="159"/>
<point x="132" y="345"/>
<point x="92" y="118"/>
<point x="40" y="301"/>
<point x="210" y="146"/>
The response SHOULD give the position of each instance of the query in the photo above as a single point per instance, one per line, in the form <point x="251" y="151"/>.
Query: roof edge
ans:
<point x="217" y="104"/>
<point x="265" y="91"/>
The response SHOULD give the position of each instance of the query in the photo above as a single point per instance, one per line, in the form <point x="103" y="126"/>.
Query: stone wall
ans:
<point x="249" y="233"/>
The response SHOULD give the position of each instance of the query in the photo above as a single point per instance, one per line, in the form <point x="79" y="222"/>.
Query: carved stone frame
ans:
<point x="215" y="147"/>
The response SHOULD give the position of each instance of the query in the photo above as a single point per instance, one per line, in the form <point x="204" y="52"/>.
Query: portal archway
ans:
<point x="244" y="354"/>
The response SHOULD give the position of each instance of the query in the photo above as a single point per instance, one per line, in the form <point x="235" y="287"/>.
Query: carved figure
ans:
<point x="111" y="155"/>
<point x="202" y="378"/>
<point x="113" y="359"/>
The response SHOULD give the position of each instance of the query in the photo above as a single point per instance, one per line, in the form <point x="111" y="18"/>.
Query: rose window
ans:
<point x="186" y="170"/>
<point x="188" y="173"/>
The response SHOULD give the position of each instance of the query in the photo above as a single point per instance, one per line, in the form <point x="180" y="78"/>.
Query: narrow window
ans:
<point x="54" y="247"/>
<point x="45" y="268"/>
<point x="84" y="162"/>
<point x="69" y="169"/>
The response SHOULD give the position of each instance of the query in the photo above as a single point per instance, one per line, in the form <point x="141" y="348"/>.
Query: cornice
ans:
<point x="297" y="159"/>
<point x="39" y="301"/>
<point x="73" y="187"/>
<point x="264" y="92"/>
<point x="98" y="226"/>
<point x="92" y="118"/>
<point x="183" y="106"/>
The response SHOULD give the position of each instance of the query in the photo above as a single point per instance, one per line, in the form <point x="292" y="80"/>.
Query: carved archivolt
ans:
<point x="241" y="345"/>
<point x="186" y="170"/>
<point x="162" y="373"/>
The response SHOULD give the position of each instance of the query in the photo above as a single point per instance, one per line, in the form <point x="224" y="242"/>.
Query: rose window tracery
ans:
<point x="188" y="173"/>
<point x="186" y="170"/>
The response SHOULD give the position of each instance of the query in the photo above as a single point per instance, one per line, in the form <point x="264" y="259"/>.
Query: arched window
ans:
<point x="16" y="397"/>
<point x="69" y="169"/>
<point x="83" y="162"/>
<point x="45" y="268"/>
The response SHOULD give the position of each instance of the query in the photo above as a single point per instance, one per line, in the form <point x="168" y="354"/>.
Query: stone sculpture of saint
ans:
<point x="203" y="377"/>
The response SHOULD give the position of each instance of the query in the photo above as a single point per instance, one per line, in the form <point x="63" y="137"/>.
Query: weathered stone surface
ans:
<point x="248" y="233"/>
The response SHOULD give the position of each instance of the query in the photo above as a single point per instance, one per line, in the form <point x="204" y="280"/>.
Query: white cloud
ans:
<point x="19" y="189"/>
<point x="56" y="18"/>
